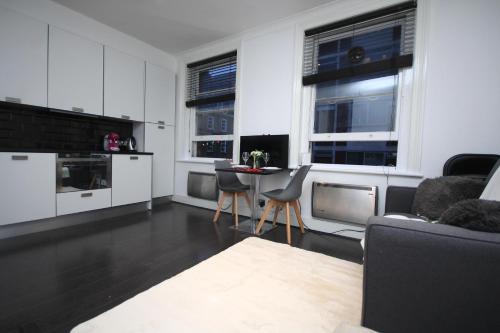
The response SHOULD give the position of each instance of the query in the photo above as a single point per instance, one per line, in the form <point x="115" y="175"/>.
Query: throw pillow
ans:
<point x="474" y="214"/>
<point x="434" y="196"/>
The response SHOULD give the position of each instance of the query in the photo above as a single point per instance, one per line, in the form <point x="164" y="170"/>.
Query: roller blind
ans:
<point x="211" y="80"/>
<point x="379" y="41"/>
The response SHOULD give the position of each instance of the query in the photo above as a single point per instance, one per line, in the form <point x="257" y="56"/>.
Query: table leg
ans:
<point x="250" y="225"/>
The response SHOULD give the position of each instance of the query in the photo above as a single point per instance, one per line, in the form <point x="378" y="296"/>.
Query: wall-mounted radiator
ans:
<point x="348" y="203"/>
<point x="202" y="185"/>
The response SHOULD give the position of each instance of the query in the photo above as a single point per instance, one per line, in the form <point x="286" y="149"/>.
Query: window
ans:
<point x="354" y="68"/>
<point x="223" y="125"/>
<point x="210" y="122"/>
<point x="210" y="99"/>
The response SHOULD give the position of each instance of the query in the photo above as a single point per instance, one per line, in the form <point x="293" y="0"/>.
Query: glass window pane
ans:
<point x="381" y="153"/>
<point x="215" y="119"/>
<point x="217" y="80"/>
<point x="376" y="45"/>
<point x="214" y="149"/>
<point x="361" y="104"/>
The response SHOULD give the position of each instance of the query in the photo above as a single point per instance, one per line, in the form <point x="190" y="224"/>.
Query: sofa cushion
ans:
<point x="474" y="214"/>
<point x="434" y="196"/>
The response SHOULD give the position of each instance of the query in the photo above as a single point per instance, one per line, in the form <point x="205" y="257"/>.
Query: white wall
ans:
<point x="462" y="108"/>
<point x="456" y="98"/>
<point x="266" y="104"/>
<point x="62" y="17"/>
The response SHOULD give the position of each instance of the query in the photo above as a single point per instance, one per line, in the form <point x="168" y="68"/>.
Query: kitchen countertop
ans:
<point x="26" y="150"/>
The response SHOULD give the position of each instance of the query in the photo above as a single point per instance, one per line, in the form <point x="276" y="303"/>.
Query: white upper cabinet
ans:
<point x="23" y="59"/>
<point x="75" y="73"/>
<point x="160" y="95"/>
<point x="123" y="85"/>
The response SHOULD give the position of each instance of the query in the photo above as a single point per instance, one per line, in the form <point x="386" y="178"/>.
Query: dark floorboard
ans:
<point x="52" y="281"/>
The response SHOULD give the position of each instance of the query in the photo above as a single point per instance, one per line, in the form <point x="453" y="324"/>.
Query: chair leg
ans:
<point x="235" y="206"/>
<point x="247" y="198"/>
<point x="276" y="212"/>
<point x="269" y="205"/>
<point x="295" y="205"/>
<point x="232" y="206"/>
<point x="288" y="228"/>
<point x="219" y="206"/>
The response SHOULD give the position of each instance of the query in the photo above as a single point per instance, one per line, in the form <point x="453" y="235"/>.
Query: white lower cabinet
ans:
<point x="27" y="187"/>
<point x="160" y="141"/>
<point x="131" y="179"/>
<point x="81" y="201"/>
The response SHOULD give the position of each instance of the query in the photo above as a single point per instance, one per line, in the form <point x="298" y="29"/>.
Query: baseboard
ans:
<point x="326" y="226"/>
<point x="30" y="227"/>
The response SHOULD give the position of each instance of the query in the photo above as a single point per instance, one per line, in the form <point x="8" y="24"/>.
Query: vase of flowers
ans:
<point x="256" y="154"/>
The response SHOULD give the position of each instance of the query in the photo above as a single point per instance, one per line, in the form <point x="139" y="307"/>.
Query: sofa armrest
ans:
<point x="422" y="277"/>
<point x="399" y="199"/>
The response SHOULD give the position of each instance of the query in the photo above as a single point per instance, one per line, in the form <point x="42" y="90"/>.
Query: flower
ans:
<point x="256" y="154"/>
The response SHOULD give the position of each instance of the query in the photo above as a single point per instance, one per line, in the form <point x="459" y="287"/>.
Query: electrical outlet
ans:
<point x="262" y="202"/>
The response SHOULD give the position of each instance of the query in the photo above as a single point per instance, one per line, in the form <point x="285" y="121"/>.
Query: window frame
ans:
<point x="190" y="118"/>
<point x="404" y="88"/>
<point x="196" y="138"/>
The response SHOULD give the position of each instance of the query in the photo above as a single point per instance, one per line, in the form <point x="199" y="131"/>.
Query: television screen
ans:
<point x="275" y="145"/>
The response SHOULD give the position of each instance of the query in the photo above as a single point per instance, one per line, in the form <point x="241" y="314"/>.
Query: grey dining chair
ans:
<point x="283" y="198"/>
<point x="229" y="184"/>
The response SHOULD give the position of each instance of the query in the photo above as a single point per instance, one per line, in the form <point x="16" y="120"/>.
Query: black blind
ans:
<point x="379" y="41"/>
<point x="211" y="80"/>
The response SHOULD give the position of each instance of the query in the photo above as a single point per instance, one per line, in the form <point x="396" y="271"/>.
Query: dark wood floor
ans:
<point x="51" y="282"/>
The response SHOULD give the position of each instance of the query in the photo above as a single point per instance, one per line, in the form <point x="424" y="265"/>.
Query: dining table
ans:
<point x="249" y="225"/>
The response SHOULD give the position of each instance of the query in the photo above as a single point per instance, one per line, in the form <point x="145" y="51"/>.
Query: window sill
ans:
<point x="368" y="170"/>
<point x="199" y="160"/>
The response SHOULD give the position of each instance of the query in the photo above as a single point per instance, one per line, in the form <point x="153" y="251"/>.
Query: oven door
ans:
<point x="77" y="172"/>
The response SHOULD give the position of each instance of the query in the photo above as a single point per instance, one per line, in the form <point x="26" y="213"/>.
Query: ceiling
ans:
<point x="178" y="25"/>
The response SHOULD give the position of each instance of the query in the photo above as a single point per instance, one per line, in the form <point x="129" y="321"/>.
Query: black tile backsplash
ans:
<point x="28" y="127"/>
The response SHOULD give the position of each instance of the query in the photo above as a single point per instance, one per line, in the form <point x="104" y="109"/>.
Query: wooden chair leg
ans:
<point x="288" y="227"/>
<point x="295" y="205"/>
<point x="219" y="207"/>
<point x="276" y="212"/>
<point x="235" y="205"/>
<point x="269" y="205"/>
<point x="232" y="205"/>
<point x="247" y="198"/>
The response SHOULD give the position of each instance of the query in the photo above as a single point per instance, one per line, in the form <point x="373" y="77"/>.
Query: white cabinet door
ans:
<point x="28" y="187"/>
<point x="123" y="85"/>
<point x="82" y="201"/>
<point x="131" y="179"/>
<point x="75" y="73"/>
<point x="23" y="59"/>
<point x="160" y="141"/>
<point x="160" y="95"/>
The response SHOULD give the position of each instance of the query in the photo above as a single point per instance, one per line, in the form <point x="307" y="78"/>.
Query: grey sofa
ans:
<point x="422" y="277"/>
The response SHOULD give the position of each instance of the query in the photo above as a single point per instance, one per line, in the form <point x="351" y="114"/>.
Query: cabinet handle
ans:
<point x="13" y="100"/>
<point x="134" y="158"/>
<point x="19" y="157"/>
<point x="161" y="127"/>
<point x="125" y="117"/>
<point x="161" y="122"/>
<point x="76" y="109"/>
<point x="86" y="195"/>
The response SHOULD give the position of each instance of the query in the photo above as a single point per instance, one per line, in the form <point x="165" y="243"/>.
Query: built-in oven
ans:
<point x="83" y="172"/>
